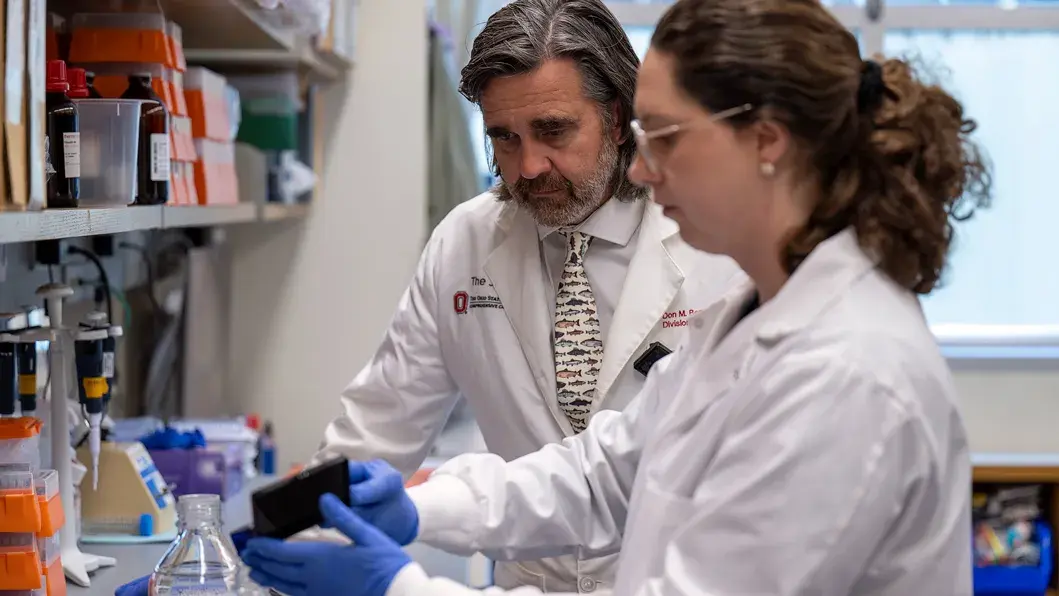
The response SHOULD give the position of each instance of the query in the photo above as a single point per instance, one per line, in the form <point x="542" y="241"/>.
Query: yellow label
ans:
<point x="95" y="387"/>
<point x="27" y="384"/>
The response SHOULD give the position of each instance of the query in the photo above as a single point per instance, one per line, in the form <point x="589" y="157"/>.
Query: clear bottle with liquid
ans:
<point x="202" y="561"/>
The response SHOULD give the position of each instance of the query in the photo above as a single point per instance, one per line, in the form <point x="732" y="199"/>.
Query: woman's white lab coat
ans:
<point x="814" y="449"/>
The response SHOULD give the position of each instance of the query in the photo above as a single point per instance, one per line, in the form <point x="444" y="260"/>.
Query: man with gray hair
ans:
<point x="542" y="301"/>
<point x="547" y="298"/>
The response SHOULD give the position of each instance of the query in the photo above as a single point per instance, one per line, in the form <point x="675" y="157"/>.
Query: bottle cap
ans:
<point x="253" y="421"/>
<point x="78" y="84"/>
<point x="57" y="77"/>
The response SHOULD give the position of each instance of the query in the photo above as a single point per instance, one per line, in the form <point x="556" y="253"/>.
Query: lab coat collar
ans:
<point x="822" y="279"/>
<point x="614" y="221"/>
<point x="656" y="273"/>
<point x="514" y="269"/>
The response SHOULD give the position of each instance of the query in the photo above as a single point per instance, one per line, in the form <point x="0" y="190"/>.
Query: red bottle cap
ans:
<point x="78" y="83"/>
<point x="57" y="77"/>
<point x="253" y="421"/>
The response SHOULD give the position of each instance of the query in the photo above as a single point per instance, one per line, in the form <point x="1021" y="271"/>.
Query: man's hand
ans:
<point x="377" y="494"/>
<point x="365" y="568"/>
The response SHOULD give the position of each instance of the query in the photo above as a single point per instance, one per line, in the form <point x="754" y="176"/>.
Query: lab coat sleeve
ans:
<point x="565" y="498"/>
<point x="413" y="581"/>
<point x="797" y="500"/>
<point x="397" y="405"/>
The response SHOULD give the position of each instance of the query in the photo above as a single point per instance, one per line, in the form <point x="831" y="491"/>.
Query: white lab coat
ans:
<point x="477" y="321"/>
<point x="815" y="449"/>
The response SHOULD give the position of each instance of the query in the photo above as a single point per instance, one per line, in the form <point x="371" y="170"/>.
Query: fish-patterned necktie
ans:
<point x="578" y="339"/>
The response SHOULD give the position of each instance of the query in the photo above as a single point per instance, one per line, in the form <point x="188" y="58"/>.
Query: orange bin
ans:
<point x="121" y="38"/>
<point x="20" y="566"/>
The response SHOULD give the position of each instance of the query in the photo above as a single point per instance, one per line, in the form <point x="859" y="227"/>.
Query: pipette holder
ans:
<point x="76" y="564"/>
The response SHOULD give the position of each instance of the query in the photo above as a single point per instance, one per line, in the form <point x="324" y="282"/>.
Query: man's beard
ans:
<point x="575" y="203"/>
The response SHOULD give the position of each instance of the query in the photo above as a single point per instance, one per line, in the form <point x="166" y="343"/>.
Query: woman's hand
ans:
<point x="377" y="494"/>
<point x="365" y="568"/>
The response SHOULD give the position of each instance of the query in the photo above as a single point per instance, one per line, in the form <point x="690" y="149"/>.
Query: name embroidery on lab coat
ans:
<point x="677" y="318"/>
<point x="463" y="301"/>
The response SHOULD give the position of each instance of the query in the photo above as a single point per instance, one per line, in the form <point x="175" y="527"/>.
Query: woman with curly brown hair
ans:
<point x="805" y="439"/>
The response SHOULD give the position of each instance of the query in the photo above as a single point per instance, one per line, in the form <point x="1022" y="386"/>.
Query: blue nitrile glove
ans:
<point x="365" y="568"/>
<point x="137" y="587"/>
<point x="376" y="493"/>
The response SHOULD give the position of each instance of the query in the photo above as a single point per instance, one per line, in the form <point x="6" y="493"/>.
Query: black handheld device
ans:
<point x="655" y="352"/>
<point x="291" y="505"/>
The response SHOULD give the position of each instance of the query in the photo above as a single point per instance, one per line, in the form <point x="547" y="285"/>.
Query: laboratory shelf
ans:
<point x="228" y="24"/>
<point x="235" y="34"/>
<point x="191" y="216"/>
<point x="278" y="212"/>
<point x="304" y="59"/>
<point x="28" y="226"/>
<point x="55" y="224"/>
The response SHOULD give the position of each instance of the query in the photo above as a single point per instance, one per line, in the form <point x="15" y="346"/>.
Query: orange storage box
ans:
<point x="121" y="37"/>
<point x="46" y="487"/>
<point x="20" y="567"/>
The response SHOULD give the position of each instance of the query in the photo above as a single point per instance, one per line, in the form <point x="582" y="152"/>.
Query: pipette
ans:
<point x="98" y="320"/>
<point x="27" y="374"/>
<point x="8" y="374"/>
<point x="91" y="387"/>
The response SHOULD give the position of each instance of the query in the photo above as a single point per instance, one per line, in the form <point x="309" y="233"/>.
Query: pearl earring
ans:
<point x="768" y="169"/>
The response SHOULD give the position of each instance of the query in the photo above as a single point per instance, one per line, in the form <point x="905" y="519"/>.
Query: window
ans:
<point x="1000" y="272"/>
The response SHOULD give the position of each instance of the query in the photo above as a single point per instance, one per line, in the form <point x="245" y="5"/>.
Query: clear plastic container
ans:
<point x="20" y="441"/>
<point x="110" y="136"/>
<point x="46" y="484"/>
<point x="49" y="547"/>
<point x="202" y="559"/>
<point x="14" y="480"/>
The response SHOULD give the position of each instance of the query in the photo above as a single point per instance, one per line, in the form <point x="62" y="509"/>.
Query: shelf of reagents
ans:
<point x="55" y="224"/>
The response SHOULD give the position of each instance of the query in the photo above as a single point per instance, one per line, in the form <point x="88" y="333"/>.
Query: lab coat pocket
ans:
<point x="658" y="519"/>
<point x="514" y="574"/>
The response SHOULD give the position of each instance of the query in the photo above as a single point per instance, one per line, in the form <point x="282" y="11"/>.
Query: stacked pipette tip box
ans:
<point x="31" y="514"/>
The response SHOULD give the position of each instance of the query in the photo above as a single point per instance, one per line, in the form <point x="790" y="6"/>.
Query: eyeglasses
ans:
<point x="644" y="137"/>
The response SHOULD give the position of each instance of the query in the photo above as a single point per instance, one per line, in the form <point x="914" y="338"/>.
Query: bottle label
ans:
<point x="108" y="365"/>
<point x="159" y="157"/>
<point x="48" y="168"/>
<point x="72" y="154"/>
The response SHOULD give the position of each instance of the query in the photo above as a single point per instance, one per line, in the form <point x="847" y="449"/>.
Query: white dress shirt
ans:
<point x="614" y="229"/>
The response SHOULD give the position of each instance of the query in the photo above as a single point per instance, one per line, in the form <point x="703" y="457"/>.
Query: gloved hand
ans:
<point x="137" y="587"/>
<point x="365" y="568"/>
<point x="376" y="493"/>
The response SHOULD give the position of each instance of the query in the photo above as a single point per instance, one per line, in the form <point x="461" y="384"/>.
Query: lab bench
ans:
<point x="137" y="560"/>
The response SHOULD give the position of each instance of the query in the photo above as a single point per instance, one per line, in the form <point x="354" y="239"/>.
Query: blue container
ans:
<point x="1018" y="581"/>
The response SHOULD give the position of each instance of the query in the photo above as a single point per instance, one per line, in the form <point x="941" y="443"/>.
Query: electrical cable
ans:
<point x="91" y="256"/>
<point x="148" y="267"/>
<point x="124" y="301"/>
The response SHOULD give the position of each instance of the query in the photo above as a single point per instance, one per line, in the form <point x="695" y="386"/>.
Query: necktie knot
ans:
<point x="576" y="242"/>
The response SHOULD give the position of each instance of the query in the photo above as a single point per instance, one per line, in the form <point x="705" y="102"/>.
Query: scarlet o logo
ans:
<point x="459" y="302"/>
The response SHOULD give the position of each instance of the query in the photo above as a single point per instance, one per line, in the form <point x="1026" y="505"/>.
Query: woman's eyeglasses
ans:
<point x="644" y="137"/>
